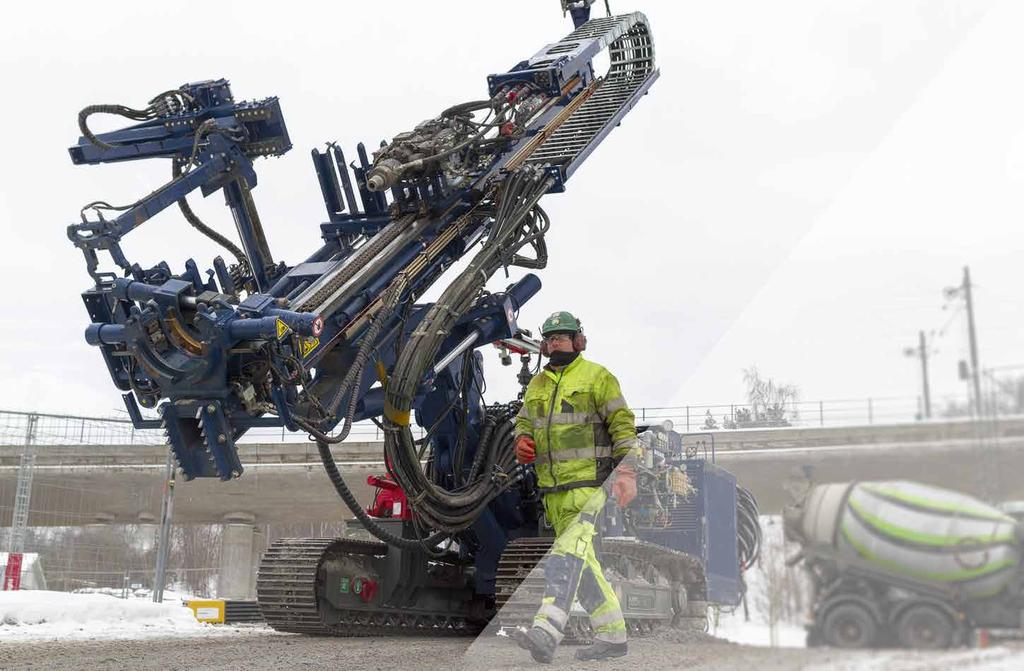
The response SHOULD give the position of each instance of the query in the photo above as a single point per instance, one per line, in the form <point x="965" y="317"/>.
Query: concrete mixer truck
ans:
<point x="898" y="563"/>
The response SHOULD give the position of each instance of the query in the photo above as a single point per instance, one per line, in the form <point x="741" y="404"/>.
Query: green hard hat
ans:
<point x="560" y="321"/>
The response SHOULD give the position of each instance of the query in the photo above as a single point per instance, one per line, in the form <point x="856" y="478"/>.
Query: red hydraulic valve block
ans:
<point x="389" y="500"/>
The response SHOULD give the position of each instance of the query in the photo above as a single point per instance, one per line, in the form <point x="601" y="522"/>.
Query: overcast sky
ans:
<point x="795" y="192"/>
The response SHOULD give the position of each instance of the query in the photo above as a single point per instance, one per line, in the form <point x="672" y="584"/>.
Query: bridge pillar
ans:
<point x="241" y="547"/>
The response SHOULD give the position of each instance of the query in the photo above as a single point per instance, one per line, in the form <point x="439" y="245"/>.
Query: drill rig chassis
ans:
<point x="340" y="338"/>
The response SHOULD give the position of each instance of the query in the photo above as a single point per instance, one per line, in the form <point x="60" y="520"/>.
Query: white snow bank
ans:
<point x="35" y="614"/>
<point x="989" y="659"/>
<point x="732" y="628"/>
<point x="770" y="583"/>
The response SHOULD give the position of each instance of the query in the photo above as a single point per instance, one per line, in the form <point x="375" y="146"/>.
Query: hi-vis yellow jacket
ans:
<point x="580" y="423"/>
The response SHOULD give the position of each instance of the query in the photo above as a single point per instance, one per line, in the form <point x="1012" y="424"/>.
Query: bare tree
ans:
<point x="195" y="556"/>
<point x="770" y="401"/>
<point x="776" y="590"/>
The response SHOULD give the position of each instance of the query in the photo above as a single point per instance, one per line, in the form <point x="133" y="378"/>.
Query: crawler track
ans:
<point x="655" y="575"/>
<point x="290" y="582"/>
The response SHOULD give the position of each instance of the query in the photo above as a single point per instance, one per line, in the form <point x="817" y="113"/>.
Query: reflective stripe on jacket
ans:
<point x="580" y="423"/>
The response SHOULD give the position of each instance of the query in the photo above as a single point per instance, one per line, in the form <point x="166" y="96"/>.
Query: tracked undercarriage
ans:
<point x="349" y="587"/>
<point x="657" y="586"/>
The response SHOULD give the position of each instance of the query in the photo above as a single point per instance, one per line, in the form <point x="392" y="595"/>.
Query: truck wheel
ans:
<point x="925" y="627"/>
<point x="849" y="625"/>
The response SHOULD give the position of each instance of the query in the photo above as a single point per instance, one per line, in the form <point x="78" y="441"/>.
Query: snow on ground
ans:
<point x="989" y="659"/>
<point x="733" y="628"/>
<point x="41" y="615"/>
<point x="768" y="584"/>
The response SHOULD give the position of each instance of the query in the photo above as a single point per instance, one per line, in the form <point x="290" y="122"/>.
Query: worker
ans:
<point x="576" y="428"/>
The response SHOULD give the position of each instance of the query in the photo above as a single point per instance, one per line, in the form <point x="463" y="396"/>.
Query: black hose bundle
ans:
<point x="368" y="522"/>
<point x="748" y="528"/>
<point x="177" y="170"/>
<point x="167" y="103"/>
<point x="517" y="223"/>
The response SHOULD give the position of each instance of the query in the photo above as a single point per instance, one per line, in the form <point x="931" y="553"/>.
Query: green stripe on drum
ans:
<point x="934" y="505"/>
<point x="947" y="576"/>
<point x="921" y="538"/>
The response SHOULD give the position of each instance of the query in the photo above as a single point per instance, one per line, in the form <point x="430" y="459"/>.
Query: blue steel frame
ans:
<point x="179" y="342"/>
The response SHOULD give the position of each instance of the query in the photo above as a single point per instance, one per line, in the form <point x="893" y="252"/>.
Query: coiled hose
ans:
<point x="368" y="522"/>
<point x="515" y="225"/>
<point x="748" y="528"/>
<point x="493" y="469"/>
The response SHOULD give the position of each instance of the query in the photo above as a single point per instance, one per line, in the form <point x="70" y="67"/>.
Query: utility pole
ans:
<point x="163" y="543"/>
<point x="973" y="338"/>
<point x="921" y="351"/>
<point x="965" y="290"/>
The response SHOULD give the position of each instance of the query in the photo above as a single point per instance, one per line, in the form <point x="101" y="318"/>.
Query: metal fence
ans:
<point x="67" y="548"/>
<point x="52" y="429"/>
<point x="61" y="544"/>
<point x="804" y="414"/>
<point x="64" y="545"/>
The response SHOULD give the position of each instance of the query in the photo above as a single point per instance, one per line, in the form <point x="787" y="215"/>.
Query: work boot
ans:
<point x="601" y="650"/>
<point x="539" y="642"/>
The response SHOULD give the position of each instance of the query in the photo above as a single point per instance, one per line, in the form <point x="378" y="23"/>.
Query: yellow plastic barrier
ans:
<point x="208" y="610"/>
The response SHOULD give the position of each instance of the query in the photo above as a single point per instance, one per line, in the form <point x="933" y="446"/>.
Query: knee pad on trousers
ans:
<point x="560" y="574"/>
<point x="589" y="594"/>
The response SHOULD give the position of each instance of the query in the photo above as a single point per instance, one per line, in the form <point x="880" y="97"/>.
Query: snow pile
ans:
<point x="778" y="598"/>
<point x="990" y="659"/>
<point x="32" y="614"/>
<point x="732" y="627"/>
<point x="170" y="596"/>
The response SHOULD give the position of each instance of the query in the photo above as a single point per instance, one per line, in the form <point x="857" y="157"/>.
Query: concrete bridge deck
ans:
<point x="285" y="482"/>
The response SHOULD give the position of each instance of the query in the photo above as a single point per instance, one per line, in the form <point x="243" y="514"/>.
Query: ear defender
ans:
<point x="579" y="342"/>
<point x="544" y="348"/>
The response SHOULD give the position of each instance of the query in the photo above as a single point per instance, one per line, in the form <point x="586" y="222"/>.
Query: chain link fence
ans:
<point x="805" y="414"/>
<point x="67" y="548"/>
<point x="76" y="430"/>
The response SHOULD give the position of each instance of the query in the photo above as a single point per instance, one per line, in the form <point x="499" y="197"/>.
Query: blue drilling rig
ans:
<point x="340" y="337"/>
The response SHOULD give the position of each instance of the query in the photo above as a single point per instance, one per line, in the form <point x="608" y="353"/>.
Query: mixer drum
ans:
<point x="919" y="531"/>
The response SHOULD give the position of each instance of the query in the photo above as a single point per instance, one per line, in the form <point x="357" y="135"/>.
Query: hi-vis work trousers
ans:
<point x="572" y="569"/>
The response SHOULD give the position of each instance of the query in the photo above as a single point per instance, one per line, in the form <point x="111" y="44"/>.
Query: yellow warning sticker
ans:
<point x="308" y="345"/>
<point x="282" y="329"/>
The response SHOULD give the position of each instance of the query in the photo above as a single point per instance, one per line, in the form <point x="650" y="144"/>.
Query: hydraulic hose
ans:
<point x="454" y="510"/>
<point x="163" y="104"/>
<point x="192" y="218"/>
<point x="368" y="522"/>
<point x="119" y="110"/>
<point x="748" y="528"/>
<point x="492" y="470"/>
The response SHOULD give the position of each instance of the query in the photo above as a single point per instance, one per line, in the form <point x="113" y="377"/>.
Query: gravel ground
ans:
<point x="263" y="649"/>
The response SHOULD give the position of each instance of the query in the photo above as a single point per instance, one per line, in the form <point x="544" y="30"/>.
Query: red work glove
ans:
<point x="526" y="450"/>
<point x="624" y="485"/>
